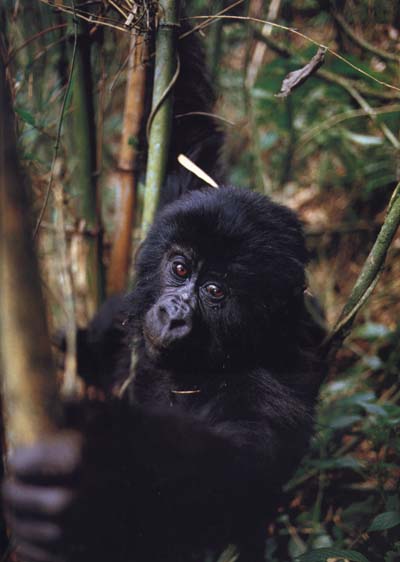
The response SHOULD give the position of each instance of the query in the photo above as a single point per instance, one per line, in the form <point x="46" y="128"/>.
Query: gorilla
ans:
<point x="218" y="414"/>
<point x="192" y="455"/>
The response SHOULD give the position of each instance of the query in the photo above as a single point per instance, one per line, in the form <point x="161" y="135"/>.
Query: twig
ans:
<point x="58" y="136"/>
<point x="344" y="116"/>
<point x="210" y="19"/>
<point x="326" y="75"/>
<point x="70" y="387"/>
<point x="368" y="276"/>
<point x="196" y="170"/>
<point x="33" y="38"/>
<point x="205" y="114"/>
<point x="362" y="102"/>
<point x="309" y="39"/>
<point x="163" y="98"/>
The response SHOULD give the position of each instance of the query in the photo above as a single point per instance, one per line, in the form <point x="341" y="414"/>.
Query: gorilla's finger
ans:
<point x="55" y="459"/>
<point x="27" y="552"/>
<point x="37" y="501"/>
<point x="35" y="531"/>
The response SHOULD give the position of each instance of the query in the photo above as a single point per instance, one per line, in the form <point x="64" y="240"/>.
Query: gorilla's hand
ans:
<point x="42" y="496"/>
<point x="62" y="497"/>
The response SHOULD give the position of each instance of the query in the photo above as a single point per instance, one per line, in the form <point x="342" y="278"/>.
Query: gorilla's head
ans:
<point x="219" y="279"/>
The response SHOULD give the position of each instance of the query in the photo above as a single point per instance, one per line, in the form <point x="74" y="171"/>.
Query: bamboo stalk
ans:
<point x="161" y="115"/>
<point x="122" y="181"/>
<point x="85" y="181"/>
<point x="28" y="376"/>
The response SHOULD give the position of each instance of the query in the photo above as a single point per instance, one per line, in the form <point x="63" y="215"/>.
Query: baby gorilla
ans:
<point x="219" y="412"/>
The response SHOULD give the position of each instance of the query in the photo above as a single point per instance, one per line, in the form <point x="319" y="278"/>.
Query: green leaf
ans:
<point x="363" y="140"/>
<point x="373" y="362"/>
<point x="344" y="421"/>
<point x="342" y="462"/>
<point x="372" y="331"/>
<point x="268" y="140"/>
<point x="374" y="409"/>
<point x="322" y="555"/>
<point x="384" y="521"/>
<point x="25" y="116"/>
<point x="296" y="547"/>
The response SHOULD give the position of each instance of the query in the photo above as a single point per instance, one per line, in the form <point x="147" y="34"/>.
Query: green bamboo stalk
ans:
<point x="28" y="376"/>
<point x="85" y="181"/>
<point x="161" y="116"/>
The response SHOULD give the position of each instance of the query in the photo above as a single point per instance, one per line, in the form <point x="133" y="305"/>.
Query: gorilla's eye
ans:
<point x="180" y="269"/>
<point x="215" y="291"/>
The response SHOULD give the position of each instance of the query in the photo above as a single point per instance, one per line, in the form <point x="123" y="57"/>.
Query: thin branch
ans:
<point x="206" y="114"/>
<point x="309" y="39"/>
<point x="71" y="386"/>
<point x="163" y="97"/>
<point x="370" y="111"/>
<point x="326" y="75"/>
<point x="344" y="116"/>
<point x="58" y="136"/>
<point x="34" y="38"/>
<point x="368" y="276"/>
<point x="210" y="19"/>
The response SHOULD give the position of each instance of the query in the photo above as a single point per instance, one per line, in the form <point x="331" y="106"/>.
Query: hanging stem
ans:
<point x="368" y="276"/>
<point x="161" y="116"/>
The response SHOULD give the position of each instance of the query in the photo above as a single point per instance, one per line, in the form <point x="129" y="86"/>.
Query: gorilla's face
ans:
<point x="186" y="321"/>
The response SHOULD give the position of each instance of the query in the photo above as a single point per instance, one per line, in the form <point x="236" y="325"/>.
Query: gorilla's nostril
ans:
<point x="162" y="314"/>
<point x="177" y="323"/>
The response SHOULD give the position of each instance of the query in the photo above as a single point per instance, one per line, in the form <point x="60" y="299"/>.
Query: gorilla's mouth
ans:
<point x="177" y="354"/>
<point x="160" y="350"/>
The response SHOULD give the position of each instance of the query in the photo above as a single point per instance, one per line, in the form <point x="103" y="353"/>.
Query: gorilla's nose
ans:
<point x="175" y="319"/>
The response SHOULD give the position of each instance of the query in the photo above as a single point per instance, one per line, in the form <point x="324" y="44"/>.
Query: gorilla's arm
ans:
<point x="103" y="353"/>
<point x="137" y="475"/>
